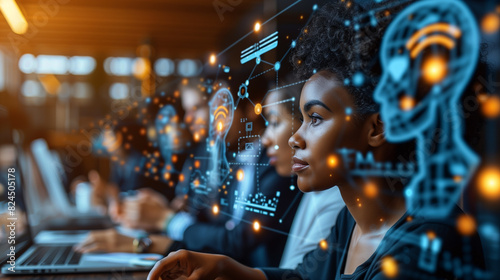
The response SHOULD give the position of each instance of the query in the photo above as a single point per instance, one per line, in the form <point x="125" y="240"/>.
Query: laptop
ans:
<point x="24" y="253"/>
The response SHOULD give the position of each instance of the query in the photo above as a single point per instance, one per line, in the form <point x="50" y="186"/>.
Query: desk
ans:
<point x="117" y="275"/>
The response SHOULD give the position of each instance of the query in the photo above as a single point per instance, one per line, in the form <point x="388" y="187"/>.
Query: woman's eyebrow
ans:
<point x="312" y="103"/>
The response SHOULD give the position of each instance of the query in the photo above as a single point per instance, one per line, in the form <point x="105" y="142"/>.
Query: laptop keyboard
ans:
<point x="53" y="255"/>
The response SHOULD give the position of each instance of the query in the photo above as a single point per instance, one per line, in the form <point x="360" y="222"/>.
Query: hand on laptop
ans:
<point x="110" y="240"/>
<point x="148" y="210"/>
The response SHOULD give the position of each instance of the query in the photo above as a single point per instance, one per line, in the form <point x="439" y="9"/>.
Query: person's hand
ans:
<point x="179" y="203"/>
<point x="147" y="210"/>
<point x="193" y="266"/>
<point x="108" y="240"/>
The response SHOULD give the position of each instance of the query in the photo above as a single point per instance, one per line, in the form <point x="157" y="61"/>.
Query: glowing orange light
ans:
<point x="166" y="176"/>
<point x="14" y="16"/>
<point x="491" y="107"/>
<point x="389" y="267"/>
<point x="137" y="169"/>
<point x="406" y="103"/>
<point x="490" y="23"/>
<point x="457" y="178"/>
<point x="258" y="109"/>
<point x="371" y="190"/>
<point x="348" y="118"/>
<point x="213" y="59"/>
<point x="215" y="209"/>
<point x="196" y="183"/>
<point x="256" y="226"/>
<point x="257" y="26"/>
<point x="489" y="183"/>
<point x="323" y="244"/>
<point x="174" y="158"/>
<point x="431" y="235"/>
<point x="142" y="131"/>
<point x="434" y="69"/>
<point x="466" y="225"/>
<point x="196" y="137"/>
<point x="197" y="164"/>
<point x="332" y="161"/>
<point x="240" y="175"/>
<point x="181" y="178"/>
<point x="219" y="126"/>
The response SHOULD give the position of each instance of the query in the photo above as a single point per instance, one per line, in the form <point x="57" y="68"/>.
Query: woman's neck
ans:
<point x="373" y="213"/>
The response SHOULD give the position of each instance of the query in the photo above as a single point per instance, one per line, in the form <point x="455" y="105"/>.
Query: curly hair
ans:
<point x="342" y="39"/>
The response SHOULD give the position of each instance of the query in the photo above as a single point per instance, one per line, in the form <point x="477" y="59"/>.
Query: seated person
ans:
<point x="374" y="237"/>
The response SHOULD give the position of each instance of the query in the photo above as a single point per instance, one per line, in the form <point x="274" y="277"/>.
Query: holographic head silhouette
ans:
<point x="428" y="54"/>
<point x="166" y="129"/>
<point x="221" y="118"/>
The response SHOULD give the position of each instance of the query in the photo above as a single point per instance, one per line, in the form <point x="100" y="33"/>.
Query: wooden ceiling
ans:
<point x="177" y="29"/>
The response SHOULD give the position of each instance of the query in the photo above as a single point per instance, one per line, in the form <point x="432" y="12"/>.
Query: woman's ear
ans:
<point x="376" y="135"/>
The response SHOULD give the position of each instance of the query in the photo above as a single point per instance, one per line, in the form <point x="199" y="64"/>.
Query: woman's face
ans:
<point x="325" y="129"/>
<point x="277" y="133"/>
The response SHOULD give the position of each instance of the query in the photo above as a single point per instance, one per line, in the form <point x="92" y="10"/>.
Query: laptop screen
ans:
<point x="14" y="227"/>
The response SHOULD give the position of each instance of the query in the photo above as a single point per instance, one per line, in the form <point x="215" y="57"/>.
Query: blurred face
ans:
<point x="197" y="113"/>
<point x="277" y="133"/>
<point x="324" y="130"/>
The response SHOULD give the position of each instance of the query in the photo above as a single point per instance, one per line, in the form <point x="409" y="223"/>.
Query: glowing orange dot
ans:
<point x="256" y="26"/>
<point x="409" y="218"/>
<point x="389" y="267"/>
<point x="166" y="176"/>
<point x="137" y="169"/>
<point x="169" y="167"/>
<point x="466" y="225"/>
<point x="213" y="59"/>
<point x="431" y="235"/>
<point x="359" y="205"/>
<point x="215" y="209"/>
<point x="457" y="178"/>
<point x="219" y="126"/>
<point x="434" y="69"/>
<point x="491" y="107"/>
<point x="258" y="109"/>
<point x="240" y="175"/>
<point x="197" y="164"/>
<point x="323" y="244"/>
<point x="489" y="183"/>
<point x="174" y="158"/>
<point x="143" y="131"/>
<point x="332" y="161"/>
<point x="371" y="190"/>
<point x="181" y="178"/>
<point x="348" y="118"/>
<point x="196" y="137"/>
<point x="256" y="226"/>
<point x="490" y="23"/>
<point x="406" y="103"/>
<point x="196" y="183"/>
<point x="184" y="81"/>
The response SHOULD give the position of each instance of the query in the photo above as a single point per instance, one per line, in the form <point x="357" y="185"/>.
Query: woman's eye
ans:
<point x="315" y="120"/>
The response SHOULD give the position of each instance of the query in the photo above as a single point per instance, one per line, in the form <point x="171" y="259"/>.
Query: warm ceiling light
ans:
<point x="14" y="16"/>
<point x="257" y="26"/>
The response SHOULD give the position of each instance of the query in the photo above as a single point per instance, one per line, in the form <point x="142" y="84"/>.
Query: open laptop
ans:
<point x="28" y="255"/>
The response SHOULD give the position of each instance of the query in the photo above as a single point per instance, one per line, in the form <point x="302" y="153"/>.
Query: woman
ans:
<point x="374" y="237"/>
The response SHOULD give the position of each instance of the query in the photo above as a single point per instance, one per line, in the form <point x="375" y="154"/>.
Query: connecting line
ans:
<point x="279" y="102"/>
<point x="281" y="60"/>
<point x="269" y="63"/>
<point x="253" y="104"/>
<point x="249" y="76"/>
<point x="285" y="86"/>
<point x="291" y="204"/>
<point x="248" y="34"/>
<point x="261" y="73"/>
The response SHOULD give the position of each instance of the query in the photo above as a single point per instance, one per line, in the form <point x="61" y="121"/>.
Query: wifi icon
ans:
<point x="416" y="44"/>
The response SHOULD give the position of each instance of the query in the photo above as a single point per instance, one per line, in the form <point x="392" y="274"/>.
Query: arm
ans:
<point x="202" y="266"/>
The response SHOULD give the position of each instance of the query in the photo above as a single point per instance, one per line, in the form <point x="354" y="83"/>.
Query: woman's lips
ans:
<point x="272" y="160"/>
<point x="299" y="165"/>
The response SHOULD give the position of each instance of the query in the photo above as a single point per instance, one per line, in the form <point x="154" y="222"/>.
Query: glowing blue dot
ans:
<point x="347" y="22"/>
<point x="315" y="7"/>
<point x="358" y="79"/>
<point x="162" y="93"/>
<point x="356" y="27"/>
<point x="281" y="221"/>
<point x="276" y="147"/>
<point x="314" y="71"/>
<point x="267" y="123"/>
<point x="347" y="82"/>
<point x="348" y="111"/>
<point x="408" y="193"/>
<point x="277" y="66"/>
<point x="247" y="82"/>
<point x="292" y="187"/>
<point x="234" y="154"/>
<point x="294" y="44"/>
<point x="257" y="60"/>
<point x="148" y="100"/>
<point x="293" y="98"/>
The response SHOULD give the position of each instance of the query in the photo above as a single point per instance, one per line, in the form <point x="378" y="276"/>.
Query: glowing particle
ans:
<point x="276" y="147"/>
<point x="348" y="118"/>
<point x="370" y="190"/>
<point x="434" y="69"/>
<point x="197" y="164"/>
<point x="196" y="137"/>
<point x="431" y="235"/>
<point x="196" y="183"/>
<point x="490" y="23"/>
<point x="256" y="26"/>
<point x="256" y="226"/>
<point x="359" y="205"/>
<point x="332" y="161"/>
<point x="491" y="107"/>
<point x="258" y="109"/>
<point x="323" y="244"/>
<point x="466" y="225"/>
<point x="240" y="175"/>
<point x="213" y="59"/>
<point x="277" y="66"/>
<point x="406" y="103"/>
<point x="215" y="209"/>
<point x="219" y="126"/>
<point x="166" y="176"/>
<point x="389" y="267"/>
<point x="181" y="178"/>
<point x="489" y="183"/>
<point x="174" y="158"/>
